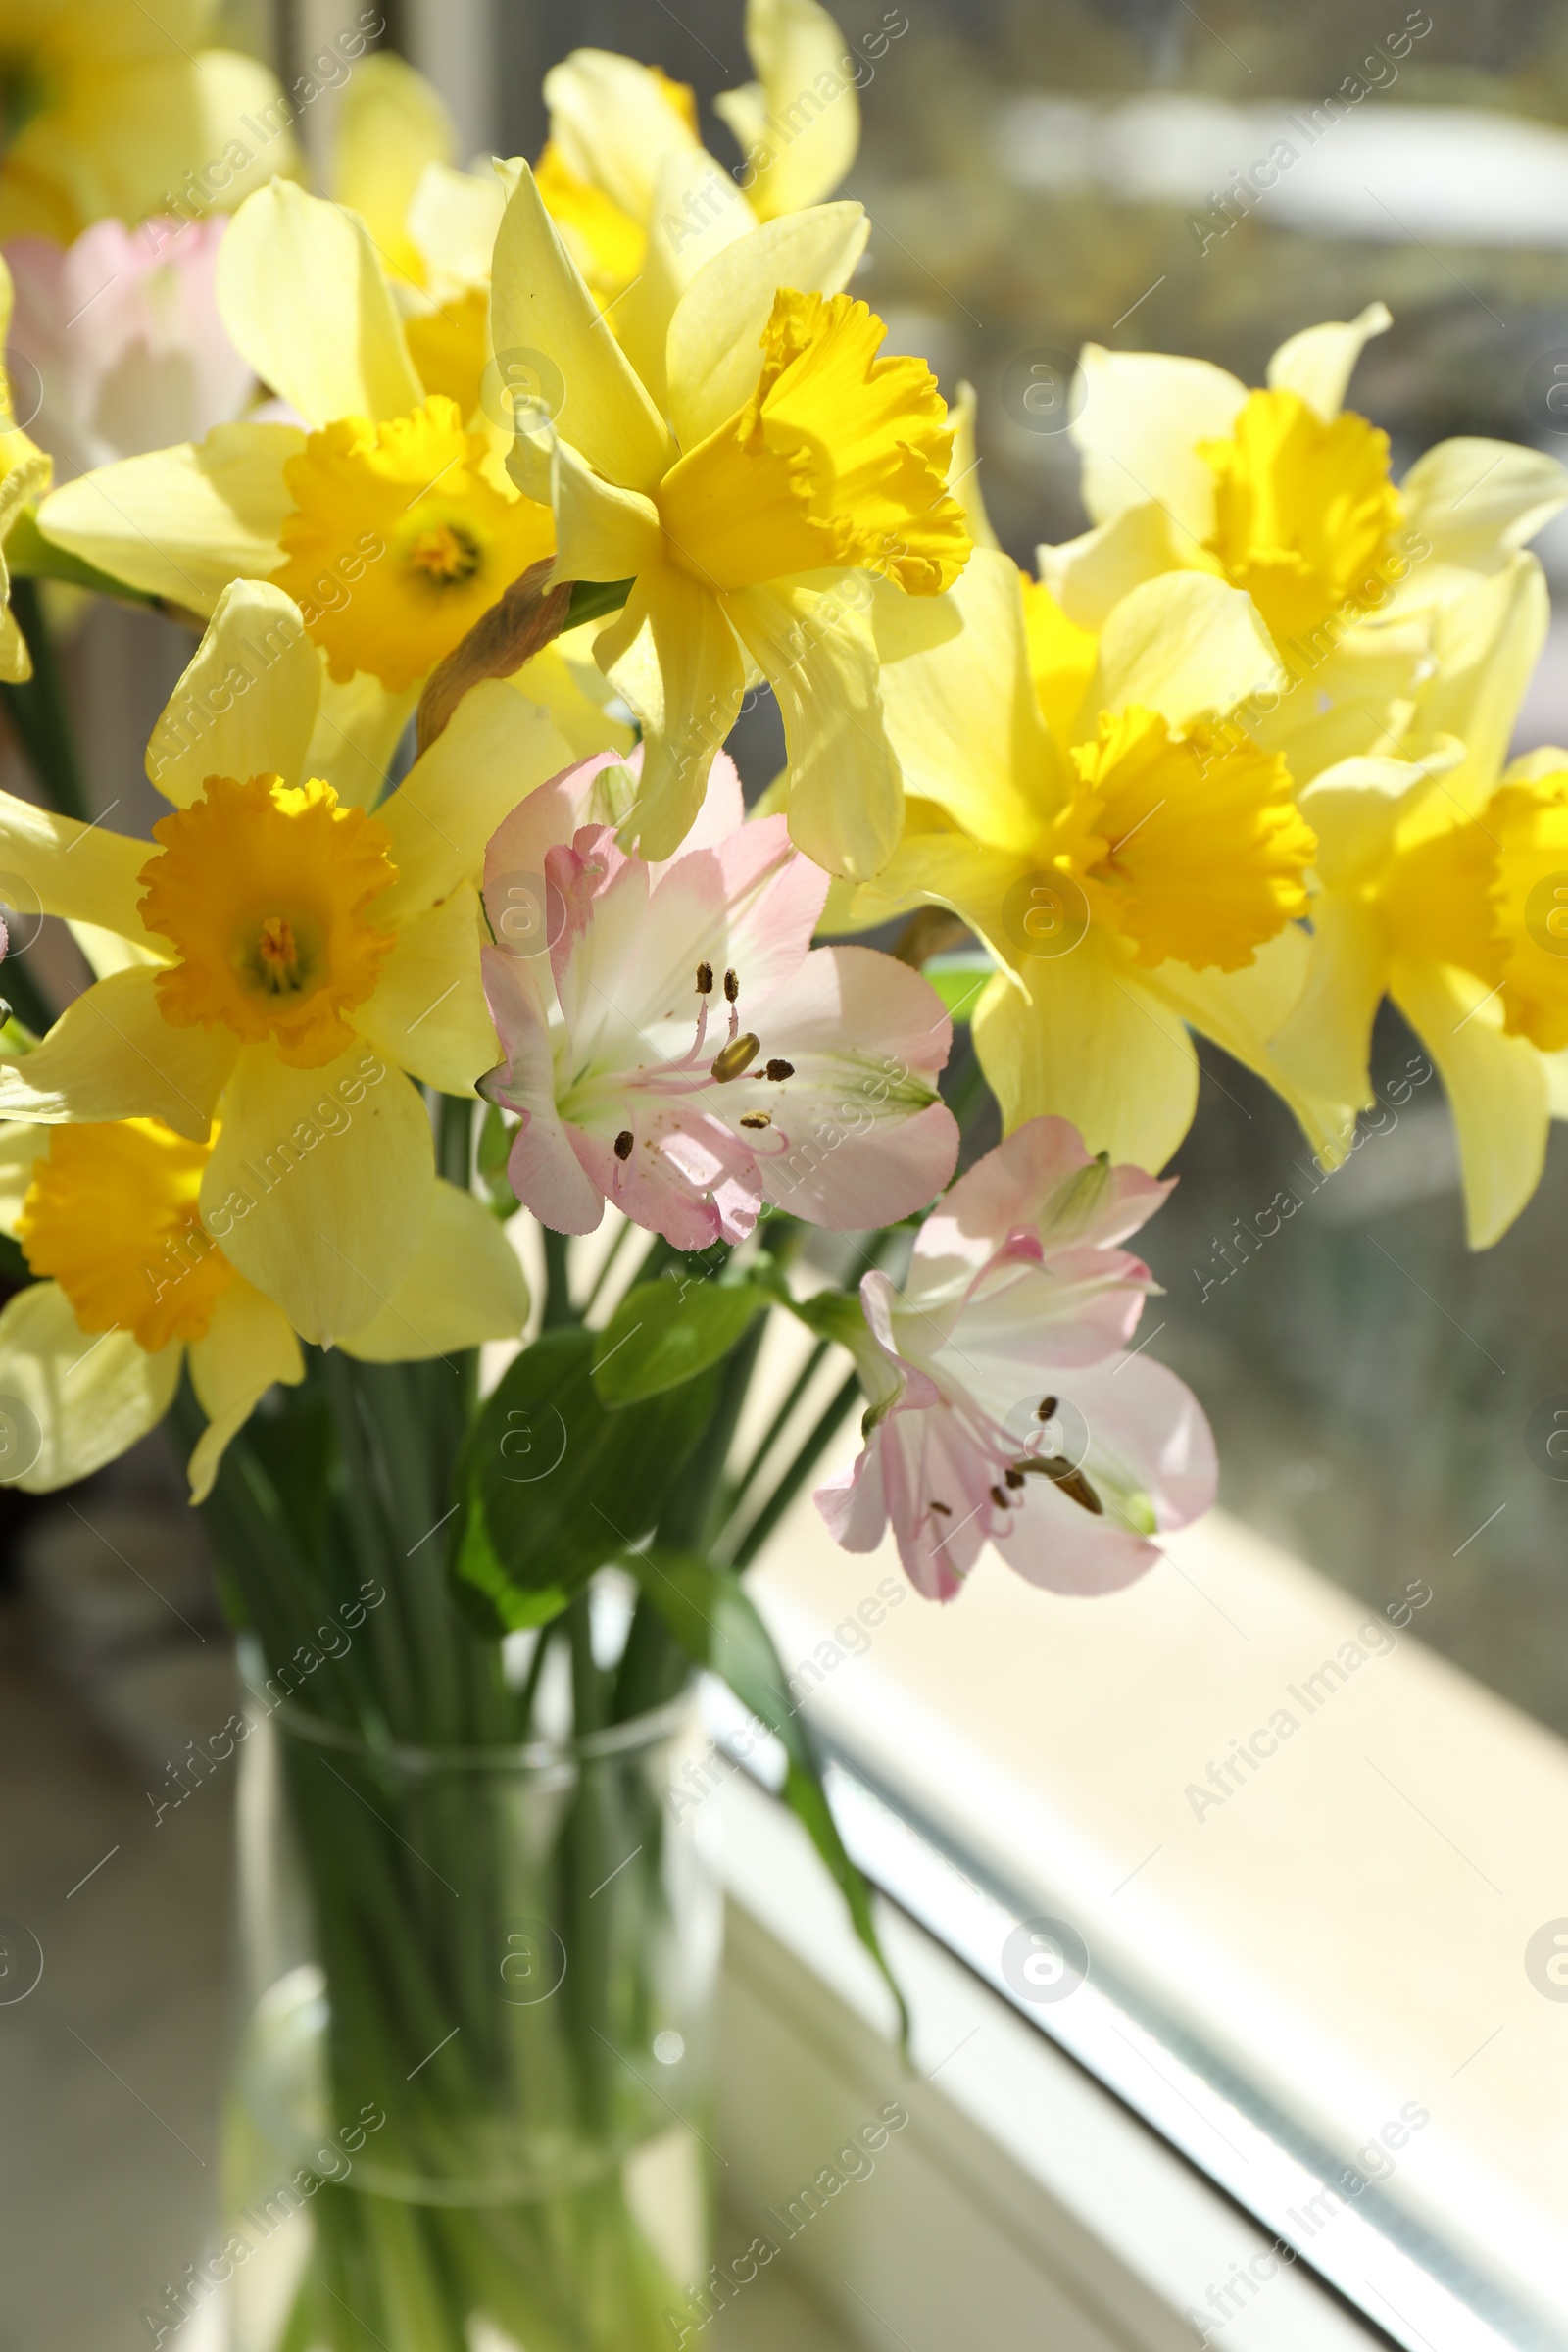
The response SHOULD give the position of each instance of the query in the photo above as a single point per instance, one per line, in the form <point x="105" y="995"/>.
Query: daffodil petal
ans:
<point x="110" y="951"/>
<point x="1326" y="1044"/>
<point x="1243" y="1010"/>
<point x="390" y="126"/>
<point x="249" y="1345"/>
<point x="85" y="1397"/>
<point x="1486" y="643"/>
<point x="429" y="1011"/>
<point x="358" y="726"/>
<point x="1143" y="416"/>
<point x="602" y="533"/>
<point x="1497" y="1088"/>
<point x="963" y="473"/>
<point x="1317" y="364"/>
<point x="319" y="1184"/>
<point x="1356" y="807"/>
<point x="1089" y="1044"/>
<point x="799" y="123"/>
<point x="465" y="1287"/>
<point x="1478" y="500"/>
<point x="247" y="702"/>
<point x="539" y="305"/>
<point x="20" y="1147"/>
<point x="695" y="213"/>
<point x="496" y="749"/>
<point x="713" y="348"/>
<point x="341" y="352"/>
<point x="83" y="872"/>
<point x="566" y="681"/>
<point x="687" y="698"/>
<point x="1089" y="576"/>
<point x="182" y="523"/>
<point x="963" y="720"/>
<point x="1185" y="644"/>
<point x="112" y="1055"/>
<point x="453" y="220"/>
<point x="614" y="122"/>
<point x="813" y="639"/>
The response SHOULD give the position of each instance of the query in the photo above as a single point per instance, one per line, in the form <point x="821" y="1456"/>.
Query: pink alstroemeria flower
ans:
<point x="119" y="337"/>
<point x="673" y="1041"/>
<point x="1004" y="1405"/>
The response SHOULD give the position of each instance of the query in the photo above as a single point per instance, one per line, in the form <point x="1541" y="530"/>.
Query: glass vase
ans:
<point x="471" y="2077"/>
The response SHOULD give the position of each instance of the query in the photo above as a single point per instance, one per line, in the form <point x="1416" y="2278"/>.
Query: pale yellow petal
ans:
<point x="1497" y="1088"/>
<point x="1326" y="1044"/>
<point x="1185" y="644"/>
<point x="358" y="729"/>
<point x="1357" y="696"/>
<point x="390" y="126"/>
<point x="249" y="1345"/>
<point x="1316" y="364"/>
<point x="465" y="1287"/>
<point x="964" y="472"/>
<point x="962" y="718"/>
<point x="341" y="352"/>
<point x="429" y="1011"/>
<point x="1089" y="576"/>
<point x="1477" y="500"/>
<point x="246" y="704"/>
<point x="568" y="683"/>
<point x="55" y="865"/>
<point x="540" y="305"/>
<point x="936" y="867"/>
<point x="687" y="695"/>
<point x="1088" y="1043"/>
<point x="112" y="1055"/>
<point x="1485" y="644"/>
<point x="496" y="748"/>
<point x="71" y="1400"/>
<point x="22" y="1145"/>
<point x="713" y="353"/>
<point x="799" y="123"/>
<point x="1356" y="808"/>
<point x="813" y="639"/>
<point x="1243" y="1010"/>
<point x="182" y="523"/>
<point x="319" y="1185"/>
<point x="111" y="952"/>
<point x="697" y="211"/>
<point x="602" y="533"/>
<point x="614" y="122"/>
<point x="453" y="220"/>
<point x="1143" y="416"/>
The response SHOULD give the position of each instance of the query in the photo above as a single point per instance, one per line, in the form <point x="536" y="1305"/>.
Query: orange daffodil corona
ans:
<point x="282" y="964"/>
<point x="797" y="472"/>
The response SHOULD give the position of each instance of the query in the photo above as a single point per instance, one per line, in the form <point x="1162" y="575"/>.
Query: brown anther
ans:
<point x="1013" y="1478"/>
<point x="624" y="1144"/>
<point x="736" y="1056"/>
<point x="1045" y="1409"/>
<point x="756" y="1118"/>
<point x="779" y="1072"/>
<point x="705" y="979"/>
<point x="999" y="1499"/>
<point x="1067" y="1477"/>
<point x="732" y="986"/>
<point x="946" y="1509"/>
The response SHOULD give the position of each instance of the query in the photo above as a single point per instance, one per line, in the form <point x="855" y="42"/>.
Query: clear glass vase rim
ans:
<point x="540" y="1756"/>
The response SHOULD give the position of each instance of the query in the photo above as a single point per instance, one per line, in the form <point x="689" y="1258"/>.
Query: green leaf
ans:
<point x="713" y="1617"/>
<point x="591" y="598"/>
<point x="559" y="1486"/>
<point x="665" y="1332"/>
<point x="835" y="1315"/>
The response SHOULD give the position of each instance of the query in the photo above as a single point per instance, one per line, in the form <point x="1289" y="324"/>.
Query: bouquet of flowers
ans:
<point x="516" y="1039"/>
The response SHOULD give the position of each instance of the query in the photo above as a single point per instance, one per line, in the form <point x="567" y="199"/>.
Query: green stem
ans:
<point x="776" y="1427"/>
<point x="557" y="1309"/>
<point x="610" y="1256"/>
<point x="455" y="1140"/>
<point x="36" y="708"/>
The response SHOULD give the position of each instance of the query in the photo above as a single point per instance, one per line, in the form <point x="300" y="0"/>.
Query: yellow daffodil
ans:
<point x="109" y="107"/>
<point x="1444" y="884"/>
<point x="390" y="522"/>
<point x="24" y="472"/>
<point x="281" y="960"/>
<point x="637" y="198"/>
<point x="797" y="469"/>
<point x="1287" y="495"/>
<point x="1134" y="869"/>
<point x="135" y="1287"/>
